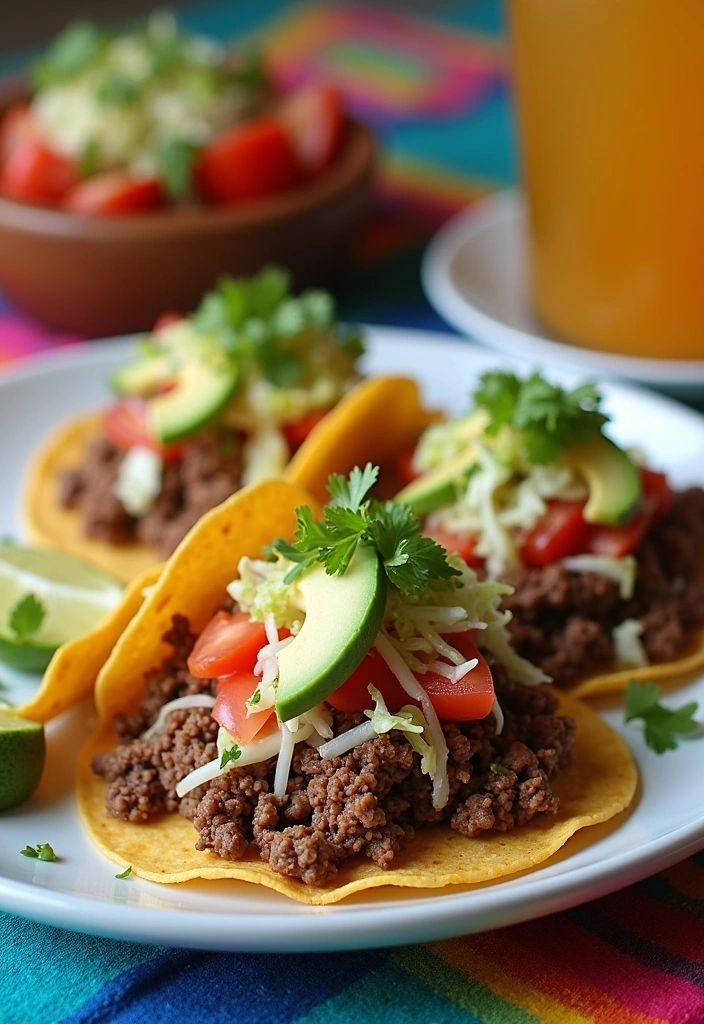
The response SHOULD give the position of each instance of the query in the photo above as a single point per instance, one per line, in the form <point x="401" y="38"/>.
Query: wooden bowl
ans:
<point x="112" y="275"/>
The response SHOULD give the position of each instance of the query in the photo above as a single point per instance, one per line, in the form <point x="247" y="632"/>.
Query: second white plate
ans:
<point x="475" y="275"/>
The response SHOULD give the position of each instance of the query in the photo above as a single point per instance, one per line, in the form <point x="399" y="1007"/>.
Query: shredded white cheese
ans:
<point x="629" y="651"/>
<point x="138" y="481"/>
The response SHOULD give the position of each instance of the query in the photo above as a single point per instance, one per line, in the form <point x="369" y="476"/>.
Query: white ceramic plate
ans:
<point x="80" y="892"/>
<point x="475" y="274"/>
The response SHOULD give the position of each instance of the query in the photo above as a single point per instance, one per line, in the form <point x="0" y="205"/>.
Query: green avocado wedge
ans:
<point x="612" y="478"/>
<point x="343" y="616"/>
<point x="185" y="386"/>
<point x="439" y="486"/>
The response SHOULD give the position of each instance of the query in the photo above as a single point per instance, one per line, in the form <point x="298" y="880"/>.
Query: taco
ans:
<point x="340" y="713"/>
<point x="604" y="556"/>
<point x="212" y="402"/>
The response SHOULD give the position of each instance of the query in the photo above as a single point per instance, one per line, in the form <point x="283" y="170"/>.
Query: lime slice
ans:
<point x="21" y="758"/>
<point x="74" y="597"/>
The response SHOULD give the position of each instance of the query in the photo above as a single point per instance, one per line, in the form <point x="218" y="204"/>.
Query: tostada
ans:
<point x="325" y="701"/>
<point x="603" y="554"/>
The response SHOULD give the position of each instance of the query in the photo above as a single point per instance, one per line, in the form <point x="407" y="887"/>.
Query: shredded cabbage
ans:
<point x="410" y="720"/>
<point x="265" y="454"/>
<point x="260" y="590"/>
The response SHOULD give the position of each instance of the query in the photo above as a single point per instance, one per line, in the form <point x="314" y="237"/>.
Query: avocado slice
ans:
<point x="439" y="486"/>
<point x="613" y="480"/>
<point x="201" y="381"/>
<point x="343" y="617"/>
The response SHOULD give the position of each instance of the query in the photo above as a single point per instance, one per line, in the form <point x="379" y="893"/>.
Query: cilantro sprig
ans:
<point x="42" y="851"/>
<point x="26" y="617"/>
<point x="546" y="417"/>
<point x="662" y="725"/>
<point x="411" y="561"/>
<point x="258" y="318"/>
<point x="231" y="755"/>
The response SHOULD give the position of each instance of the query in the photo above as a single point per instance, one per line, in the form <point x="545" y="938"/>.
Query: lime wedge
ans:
<point x="21" y="758"/>
<point x="73" y="595"/>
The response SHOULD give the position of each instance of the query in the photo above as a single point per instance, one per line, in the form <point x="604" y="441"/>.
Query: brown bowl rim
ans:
<point x="353" y="163"/>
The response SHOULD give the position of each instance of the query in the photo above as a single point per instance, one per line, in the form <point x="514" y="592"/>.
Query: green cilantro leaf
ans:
<point x="175" y="160"/>
<point x="117" y="90"/>
<point x="547" y="418"/>
<point x="26" y="617"/>
<point x="662" y="725"/>
<point x="230" y="756"/>
<point x="499" y="769"/>
<point x="126" y="873"/>
<point x="351" y="492"/>
<point x="259" y="319"/>
<point x="70" y="53"/>
<point x="411" y="561"/>
<point x="88" y="163"/>
<point x="43" y="851"/>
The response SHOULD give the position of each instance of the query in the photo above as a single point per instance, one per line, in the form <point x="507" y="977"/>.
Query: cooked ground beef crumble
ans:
<point x="563" y="620"/>
<point x="208" y="472"/>
<point x="368" y="801"/>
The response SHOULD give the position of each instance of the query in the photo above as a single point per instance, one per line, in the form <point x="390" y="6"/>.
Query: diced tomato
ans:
<point x="656" y="491"/>
<point x="353" y="695"/>
<point x="404" y="466"/>
<point x="16" y="125"/>
<point x="34" y="173"/>
<point x="126" y="424"/>
<point x="313" y="118"/>
<point x="228" y="644"/>
<point x="252" y="160"/>
<point x="469" y="698"/>
<point x="167" y="320"/>
<point x="617" y="541"/>
<point x="296" y="433"/>
<point x="113" y="194"/>
<point x="453" y="542"/>
<point x="560" y="533"/>
<point x="230" y="710"/>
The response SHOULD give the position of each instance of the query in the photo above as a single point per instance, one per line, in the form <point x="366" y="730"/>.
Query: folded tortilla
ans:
<point x="598" y="786"/>
<point x="347" y="436"/>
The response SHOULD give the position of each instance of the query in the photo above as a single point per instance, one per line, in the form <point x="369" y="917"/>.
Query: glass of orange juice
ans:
<point x="610" y="102"/>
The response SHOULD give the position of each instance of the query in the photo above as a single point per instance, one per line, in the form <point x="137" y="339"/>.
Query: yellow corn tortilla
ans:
<point x="599" y="785"/>
<point x="681" y="669"/>
<point x="348" y="435"/>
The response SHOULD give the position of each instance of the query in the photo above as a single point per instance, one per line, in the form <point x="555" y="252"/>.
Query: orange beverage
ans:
<point x="610" y="100"/>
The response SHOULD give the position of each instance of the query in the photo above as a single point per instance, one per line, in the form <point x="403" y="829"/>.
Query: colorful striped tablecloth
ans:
<point x="436" y="92"/>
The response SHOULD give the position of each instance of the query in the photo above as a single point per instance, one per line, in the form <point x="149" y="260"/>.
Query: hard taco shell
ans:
<point x="348" y="435"/>
<point x="600" y="783"/>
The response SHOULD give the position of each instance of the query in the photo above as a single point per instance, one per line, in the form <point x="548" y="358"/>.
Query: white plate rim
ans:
<point x="347" y="925"/>
<point x="448" y="299"/>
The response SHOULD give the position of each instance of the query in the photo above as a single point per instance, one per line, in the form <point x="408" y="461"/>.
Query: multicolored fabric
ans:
<point x="635" y="957"/>
<point x="436" y="92"/>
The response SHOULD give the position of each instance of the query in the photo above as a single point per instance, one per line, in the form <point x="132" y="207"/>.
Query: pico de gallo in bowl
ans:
<point x="148" y="163"/>
<point x="125" y="122"/>
<point x="211" y="402"/>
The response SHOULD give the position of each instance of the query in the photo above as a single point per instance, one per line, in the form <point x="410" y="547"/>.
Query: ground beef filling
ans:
<point x="563" y="620"/>
<point x="368" y="801"/>
<point x="209" y="470"/>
